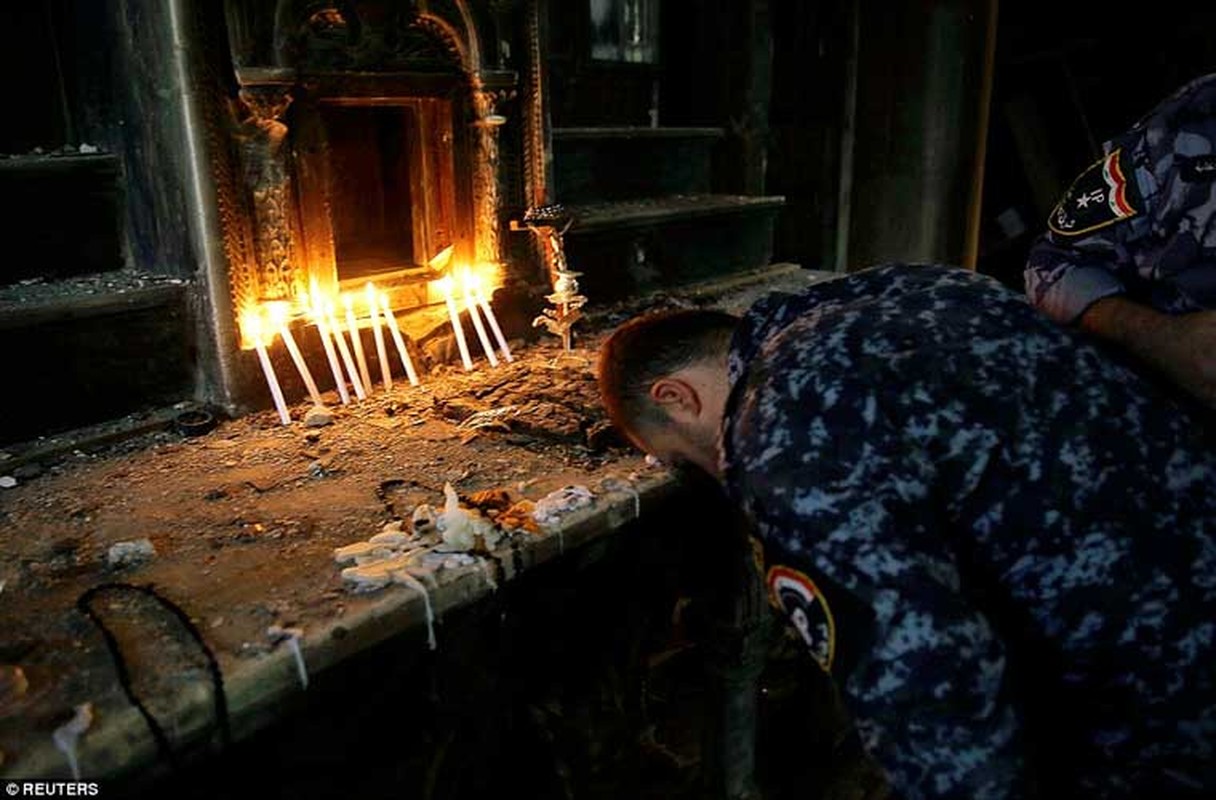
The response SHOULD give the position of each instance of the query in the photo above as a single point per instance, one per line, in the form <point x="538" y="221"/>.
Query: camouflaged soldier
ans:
<point x="996" y="539"/>
<point x="1130" y="250"/>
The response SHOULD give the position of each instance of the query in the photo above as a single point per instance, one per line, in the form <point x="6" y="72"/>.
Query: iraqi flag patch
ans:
<point x="807" y="608"/>
<point x="1102" y="195"/>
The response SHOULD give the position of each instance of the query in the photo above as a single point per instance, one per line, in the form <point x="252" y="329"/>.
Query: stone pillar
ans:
<point x="922" y="74"/>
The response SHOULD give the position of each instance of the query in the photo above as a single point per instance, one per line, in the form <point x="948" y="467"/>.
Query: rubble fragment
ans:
<point x="318" y="417"/>
<point x="391" y="536"/>
<point x="348" y="553"/>
<point x="553" y="506"/>
<point x="519" y="517"/>
<point x="615" y="484"/>
<point x="13" y="684"/>
<point x="127" y="554"/>
<point x="423" y="519"/>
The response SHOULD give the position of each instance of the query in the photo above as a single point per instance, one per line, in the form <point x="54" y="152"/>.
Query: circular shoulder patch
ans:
<point x="801" y="600"/>
<point x="1102" y="195"/>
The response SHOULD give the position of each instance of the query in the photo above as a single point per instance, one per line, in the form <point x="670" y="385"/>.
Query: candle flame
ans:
<point x="441" y="259"/>
<point x="468" y="277"/>
<point x="279" y="311"/>
<point x="316" y="301"/>
<point x="253" y="333"/>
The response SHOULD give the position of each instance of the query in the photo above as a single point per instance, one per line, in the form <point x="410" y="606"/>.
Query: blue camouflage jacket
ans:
<point x="1141" y="221"/>
<point x="996" y="539"/>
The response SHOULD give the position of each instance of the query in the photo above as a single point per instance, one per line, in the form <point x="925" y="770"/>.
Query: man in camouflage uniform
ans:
<point x="995" y="538"/>
<point x="1130" y="250"/>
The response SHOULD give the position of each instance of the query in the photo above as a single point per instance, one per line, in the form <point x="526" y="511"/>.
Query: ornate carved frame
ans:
<point x="357" y="53"/>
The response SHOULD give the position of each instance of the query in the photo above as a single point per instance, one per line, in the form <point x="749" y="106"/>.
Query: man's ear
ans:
<point x="676" y="397"/>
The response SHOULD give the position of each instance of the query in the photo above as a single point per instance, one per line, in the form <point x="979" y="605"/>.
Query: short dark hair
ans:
<point x="646" y="348"/>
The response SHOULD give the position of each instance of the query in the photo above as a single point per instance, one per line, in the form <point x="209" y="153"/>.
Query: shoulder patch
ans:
<point x="1102" y="195"/>
<point x="797" y="596"/>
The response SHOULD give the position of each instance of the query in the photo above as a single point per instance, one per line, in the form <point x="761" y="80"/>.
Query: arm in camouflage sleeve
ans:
<point x="1142" y="212"/>
<point x="1063" y="282"/>
<point x="1156" y="227"/>
<point x="1075" y="287"/>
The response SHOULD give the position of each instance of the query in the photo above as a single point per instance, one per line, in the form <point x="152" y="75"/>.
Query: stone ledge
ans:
<point x="83" y="306"/>
<point x="595" y="217"/>
<point x="120" y="742"/>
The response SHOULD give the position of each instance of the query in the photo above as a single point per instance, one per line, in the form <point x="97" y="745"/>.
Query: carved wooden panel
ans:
<point x="376" y="107"/>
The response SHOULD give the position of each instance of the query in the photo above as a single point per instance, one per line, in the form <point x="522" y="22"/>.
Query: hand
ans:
<point x="1182" y="348"/>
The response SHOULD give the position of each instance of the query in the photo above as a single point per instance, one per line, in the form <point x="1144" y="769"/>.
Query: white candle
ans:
<point x="489" y="312"/>
<point x="351" y="370"/>
<point x="357" y="341"/>
<point x="446" y="285"/>
<point x="481" y="329"/>
<point x="374" y="313"/>
<point x="406" y="362"/>
<point x="275" y="390"/>
<point x="252" y="326"/>
<point x="319" y="319"/>
<point x="301" y="365"/>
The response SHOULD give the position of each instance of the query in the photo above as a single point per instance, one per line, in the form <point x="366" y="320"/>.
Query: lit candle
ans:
<point x="481" y="329"/>
<point x="406" y="362"/>
<point x="318" y="318"/>
<point x="374" y="313"/>
<point x="489" y="312"/>
<point x="446" y="285"/>
<point x="357" y="341"/>
<point x="251" y="324"/>
<point x="297" y="356"/>
<point x="351" y="370"/>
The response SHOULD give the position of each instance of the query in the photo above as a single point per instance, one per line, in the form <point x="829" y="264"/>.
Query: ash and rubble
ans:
<point x="240" y="526"/>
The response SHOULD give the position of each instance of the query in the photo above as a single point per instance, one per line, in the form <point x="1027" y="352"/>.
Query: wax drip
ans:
<point x="67" y="734"/>
<point x="416" y="585"/>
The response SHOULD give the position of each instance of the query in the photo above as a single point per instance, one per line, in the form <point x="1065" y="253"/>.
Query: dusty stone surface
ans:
<point x="244" y="522"/>
<point x="35" y="291"/>
<point x="245" y="519"/>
